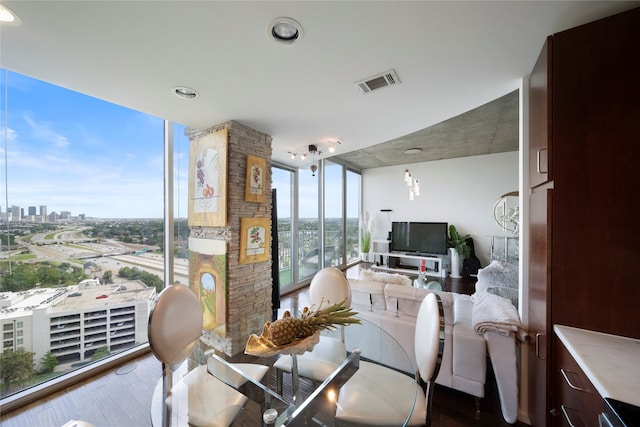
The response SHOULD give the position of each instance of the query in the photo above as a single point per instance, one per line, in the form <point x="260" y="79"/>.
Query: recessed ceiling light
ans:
<point x="285" y="30"/>
<point x="184" y="92"/>
<point x="412" y="151"/>
<point x="7" y="16"/>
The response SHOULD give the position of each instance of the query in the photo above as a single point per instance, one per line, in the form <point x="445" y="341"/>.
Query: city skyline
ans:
<point x="72" y="152"/>
<point x="75" y="153"/>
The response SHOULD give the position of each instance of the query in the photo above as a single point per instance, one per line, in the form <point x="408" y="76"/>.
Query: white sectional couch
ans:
<point x="391" y="302"/>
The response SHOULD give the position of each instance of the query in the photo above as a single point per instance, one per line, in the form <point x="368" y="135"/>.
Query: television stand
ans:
<point x="409" y="263"/>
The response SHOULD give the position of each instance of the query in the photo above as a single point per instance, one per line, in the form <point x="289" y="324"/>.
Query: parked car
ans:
<point x="102" y="296"/>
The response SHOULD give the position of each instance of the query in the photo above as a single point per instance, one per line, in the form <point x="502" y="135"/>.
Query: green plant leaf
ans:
<point x="458" y="242"/>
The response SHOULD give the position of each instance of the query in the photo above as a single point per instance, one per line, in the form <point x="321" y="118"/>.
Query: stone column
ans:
<point x="248" y="285"/>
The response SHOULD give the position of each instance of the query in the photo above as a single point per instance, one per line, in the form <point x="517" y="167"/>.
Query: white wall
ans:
<point x="459" y="191"/>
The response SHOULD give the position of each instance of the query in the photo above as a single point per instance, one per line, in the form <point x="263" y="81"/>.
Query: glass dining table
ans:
<point x="224" y="392"/>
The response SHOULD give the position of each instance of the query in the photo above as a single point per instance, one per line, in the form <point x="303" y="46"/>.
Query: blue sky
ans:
<point x="72" y="152"/>
<point x="75" y="153"/>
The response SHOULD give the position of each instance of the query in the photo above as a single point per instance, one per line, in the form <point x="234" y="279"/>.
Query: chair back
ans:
<point x="329" y="286"/>
<point x="175" y="324"/>
<point x="429" y="329"/>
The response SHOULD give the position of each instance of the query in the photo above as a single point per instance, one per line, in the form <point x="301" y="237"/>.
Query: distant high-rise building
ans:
<point x="43" y="211"/>
<point x="15" y="213"/>
<point x="65" y="215"/>
<point x="32" y="210"/>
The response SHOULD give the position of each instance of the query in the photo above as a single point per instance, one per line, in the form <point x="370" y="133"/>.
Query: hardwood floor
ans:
<point x="122" y="396"/>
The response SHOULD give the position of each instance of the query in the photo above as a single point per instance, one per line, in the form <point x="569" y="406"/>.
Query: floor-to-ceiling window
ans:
<point x="282" y="180"/>
<point x="353" y="206"/>
<point x="334" y="214"/>
<point x="82" y="206"/>
<point x="307" y="229"/>
<point x="317" y="224"/>
<point x="82" y="226"/>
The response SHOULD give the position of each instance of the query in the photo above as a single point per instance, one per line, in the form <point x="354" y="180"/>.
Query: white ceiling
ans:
<point x="450" y="57"/>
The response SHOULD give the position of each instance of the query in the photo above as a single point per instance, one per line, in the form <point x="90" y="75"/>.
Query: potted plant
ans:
<point x="365" y="236"/>
<point x="458" y="248"/>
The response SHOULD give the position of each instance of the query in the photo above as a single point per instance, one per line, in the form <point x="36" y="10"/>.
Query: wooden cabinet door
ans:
<point x="539" y="346"/>
<point x="596" y="147"/>
<point x="539" y="112"/>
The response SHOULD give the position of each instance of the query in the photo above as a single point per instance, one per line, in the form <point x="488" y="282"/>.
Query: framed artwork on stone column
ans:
<point x="208" y="280"/>
<point x="256" y="170"/>
<point x="255" y="240"/>
<point x="208" y="180"/>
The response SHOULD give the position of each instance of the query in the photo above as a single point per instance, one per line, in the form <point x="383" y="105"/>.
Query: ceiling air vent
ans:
<point x="388" y="78"/>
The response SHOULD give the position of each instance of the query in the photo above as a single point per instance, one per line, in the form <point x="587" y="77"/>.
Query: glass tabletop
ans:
<point x="428" y="283"/>
<point x="197" y="397"/>
<point x="229" y="390"/>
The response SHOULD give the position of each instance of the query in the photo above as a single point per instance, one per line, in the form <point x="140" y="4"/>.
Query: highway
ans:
<point x="109" y="255"/>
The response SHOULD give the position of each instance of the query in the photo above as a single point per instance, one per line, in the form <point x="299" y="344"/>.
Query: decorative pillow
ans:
<point x="509" y="293"/>
<point x="367" y="293"/>
<point x="499" y="273"/>
<point x="378" y="276"/>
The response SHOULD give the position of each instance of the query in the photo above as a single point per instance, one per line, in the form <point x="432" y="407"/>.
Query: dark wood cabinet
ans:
<point x="578" y="402"/>
<point x="539" y="130"/>
<point x="585" y="134"/>
<point x="539" y="308"/>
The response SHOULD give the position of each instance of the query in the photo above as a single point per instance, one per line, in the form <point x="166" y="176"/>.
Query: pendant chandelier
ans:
<point x="314" y="152"/>
<point x="412" y="183"/>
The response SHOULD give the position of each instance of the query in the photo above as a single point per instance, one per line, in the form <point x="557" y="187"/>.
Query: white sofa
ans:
<point x="391" y="302"/>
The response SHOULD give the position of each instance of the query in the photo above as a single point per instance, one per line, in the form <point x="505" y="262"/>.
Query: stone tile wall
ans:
<point x="248" y="285"/>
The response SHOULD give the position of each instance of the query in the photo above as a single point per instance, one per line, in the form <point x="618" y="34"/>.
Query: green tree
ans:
<point x="48" y="363"/>
<point x="16" y="367"/>
<point x="22" y="277"/>
<point x="48" y="275"/>
<point x="100" y="353"/>
<point x="125" y="272"/>
<point x="26" y="276"/>
<point x="107" y="277"/>
<point x="149" y="279"/>
<point x="3" y="239"/>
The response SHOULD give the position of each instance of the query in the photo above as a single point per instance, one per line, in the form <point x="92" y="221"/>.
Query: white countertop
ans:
<point x="611" y="362"/>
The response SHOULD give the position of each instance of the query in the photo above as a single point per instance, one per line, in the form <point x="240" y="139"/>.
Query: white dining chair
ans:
<point x="198" y="398"/>
<point x="328" y="286"/>
<point x="377" y="395"/>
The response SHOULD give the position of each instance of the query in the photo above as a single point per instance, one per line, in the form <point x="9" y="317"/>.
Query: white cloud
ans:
<point x="10" y="134"/>
<point x="44" y="132"/>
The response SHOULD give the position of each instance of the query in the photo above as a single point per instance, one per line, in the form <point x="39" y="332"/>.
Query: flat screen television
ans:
<point x="422" y="238"/>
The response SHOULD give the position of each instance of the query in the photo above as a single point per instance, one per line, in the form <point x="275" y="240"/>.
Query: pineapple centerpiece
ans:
<point x="295" y="335"/>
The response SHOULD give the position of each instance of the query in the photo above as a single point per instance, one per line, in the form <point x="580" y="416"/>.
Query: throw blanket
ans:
<point x="380" y="276"/>
<point x="494" y="313"/>
<point x="499" y="273"/>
